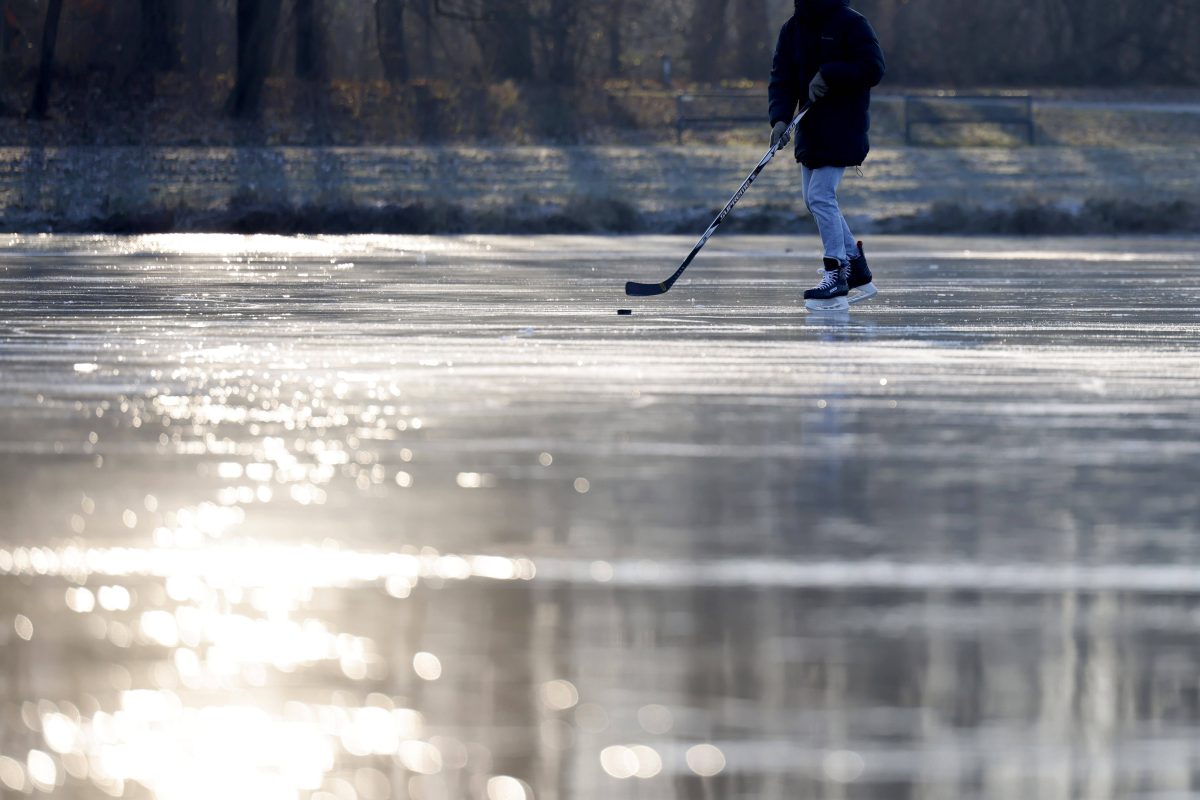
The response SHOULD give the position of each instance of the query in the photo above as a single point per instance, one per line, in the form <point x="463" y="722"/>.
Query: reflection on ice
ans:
<point x="247" y="564"/>
<point x="153" y="739"/>
<point x="157" y="740"/>
<point x="948" y="576"/>
<point x="261" y="499"/>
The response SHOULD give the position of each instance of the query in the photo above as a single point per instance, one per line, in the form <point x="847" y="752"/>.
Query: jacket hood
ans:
<point x="808" y="10"/>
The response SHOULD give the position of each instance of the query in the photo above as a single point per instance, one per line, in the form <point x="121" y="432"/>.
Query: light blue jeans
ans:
<point x="820" y="195"/>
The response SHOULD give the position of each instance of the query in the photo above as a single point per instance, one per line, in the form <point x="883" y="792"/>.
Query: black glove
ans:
<point x="779" y="134"/>
<point x="818" y="88"/>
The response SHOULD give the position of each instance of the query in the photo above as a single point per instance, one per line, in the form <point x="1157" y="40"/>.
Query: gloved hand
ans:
<point x="779" y="134"/>
<point x="818" y="88"/>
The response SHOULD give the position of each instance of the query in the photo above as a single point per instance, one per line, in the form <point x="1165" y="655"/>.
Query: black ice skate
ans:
<point x="830" y="294"/>
<point x="861" y="283"/>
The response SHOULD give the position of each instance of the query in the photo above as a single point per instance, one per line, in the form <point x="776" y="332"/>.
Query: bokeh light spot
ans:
<point x="601" y="571"/>
<point x="427" y="666"/>
<point x="504" y="787"/>
<point x="12" y="774"/>
<point x="619" y="761"/>
<point x="705" y="760"/>
<point x="648" y="760"/>
<point x="43" y="772"/>
<point x="655" y="718"/>
<point x="560" y="694"/>
<point x="844" y="766"/>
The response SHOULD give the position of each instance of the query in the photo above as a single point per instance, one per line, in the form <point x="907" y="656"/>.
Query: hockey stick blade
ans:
<point x="635" y="289"/>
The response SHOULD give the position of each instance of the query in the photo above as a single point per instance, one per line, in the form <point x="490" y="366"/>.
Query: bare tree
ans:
<point x="308" y="47"/>
<point x="159" y="47"/>
<point x="706" y="37"/>
<point x="505" y="35"/>
<point x="41" y="92"/>
<point x="390" y="38"/>
<point x="556" y="28"/>
<point x="614" y="20"/>
<point x="427" y="35"/>
<point x="753" y="58"/>
<point x="256" y="24"/>
<point x="1093" y="43"/>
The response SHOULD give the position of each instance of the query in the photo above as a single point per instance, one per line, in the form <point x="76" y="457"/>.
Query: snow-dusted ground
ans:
<point x="405" y="517"/>
<point x="508" y="188"/>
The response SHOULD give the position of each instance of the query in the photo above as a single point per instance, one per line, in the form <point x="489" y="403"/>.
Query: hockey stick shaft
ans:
<point x="642" y="289"/>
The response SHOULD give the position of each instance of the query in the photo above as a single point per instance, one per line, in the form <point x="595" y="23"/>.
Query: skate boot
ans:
<point x="861" y="283"/>
<point x="830" y="293"/>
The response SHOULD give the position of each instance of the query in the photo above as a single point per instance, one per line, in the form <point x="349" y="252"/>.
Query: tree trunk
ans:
<point x="41" y="92"/>
<point x="159" y="50"/>
<point x="6" y="43"/>
<point x="559" y="42"/>
<point x="308" y="47"/>
<point x="390" y="36"/>
<point x="256" y="23"/>
<point x="753" y="57"/>
<point x="425" y="12"/>
<point x="1189" y="59"/>
<point x="616" y="15"/>
<point x="705" y="39"/>
<point x="506" y="39"/>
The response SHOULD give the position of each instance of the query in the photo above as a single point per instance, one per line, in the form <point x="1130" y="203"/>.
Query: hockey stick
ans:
<point x="635" y="289"/>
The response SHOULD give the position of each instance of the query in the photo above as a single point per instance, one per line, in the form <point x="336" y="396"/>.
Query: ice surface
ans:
<point x="423" y="517"/>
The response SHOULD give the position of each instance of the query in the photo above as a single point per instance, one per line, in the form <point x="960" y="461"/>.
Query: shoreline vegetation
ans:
<point x="175" y="112"/>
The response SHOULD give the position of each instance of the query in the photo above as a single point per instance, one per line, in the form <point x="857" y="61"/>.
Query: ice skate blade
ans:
<point x="861" y="293"/>
<point x="832" y="304"/>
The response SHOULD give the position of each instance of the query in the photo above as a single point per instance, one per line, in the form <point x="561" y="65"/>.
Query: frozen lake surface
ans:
<point x="424" y="518"/>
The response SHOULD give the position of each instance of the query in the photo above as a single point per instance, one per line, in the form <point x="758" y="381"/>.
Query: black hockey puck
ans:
<point x="625" y="312"/>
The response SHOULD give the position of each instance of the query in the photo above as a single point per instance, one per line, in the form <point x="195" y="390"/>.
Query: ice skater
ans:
<point x="829" y="55"/>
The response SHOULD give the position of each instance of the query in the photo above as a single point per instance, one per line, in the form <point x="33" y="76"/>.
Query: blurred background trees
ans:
<point x="246" y="50"/>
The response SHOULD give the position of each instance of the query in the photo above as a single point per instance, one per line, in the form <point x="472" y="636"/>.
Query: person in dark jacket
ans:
<point x="828" y="55"/>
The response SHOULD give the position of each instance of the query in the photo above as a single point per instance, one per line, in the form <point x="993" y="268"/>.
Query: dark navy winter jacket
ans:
<point x="829" y="36"/>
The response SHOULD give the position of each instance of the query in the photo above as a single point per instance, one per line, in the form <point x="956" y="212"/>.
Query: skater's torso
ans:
<point x="828" y="32"/>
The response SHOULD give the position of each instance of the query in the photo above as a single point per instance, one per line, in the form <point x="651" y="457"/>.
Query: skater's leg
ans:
<point x="805" y="180"/>
<point x="861" y="282"/>
<point x="851" y="242"/>
<point x="820" y="195"/>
